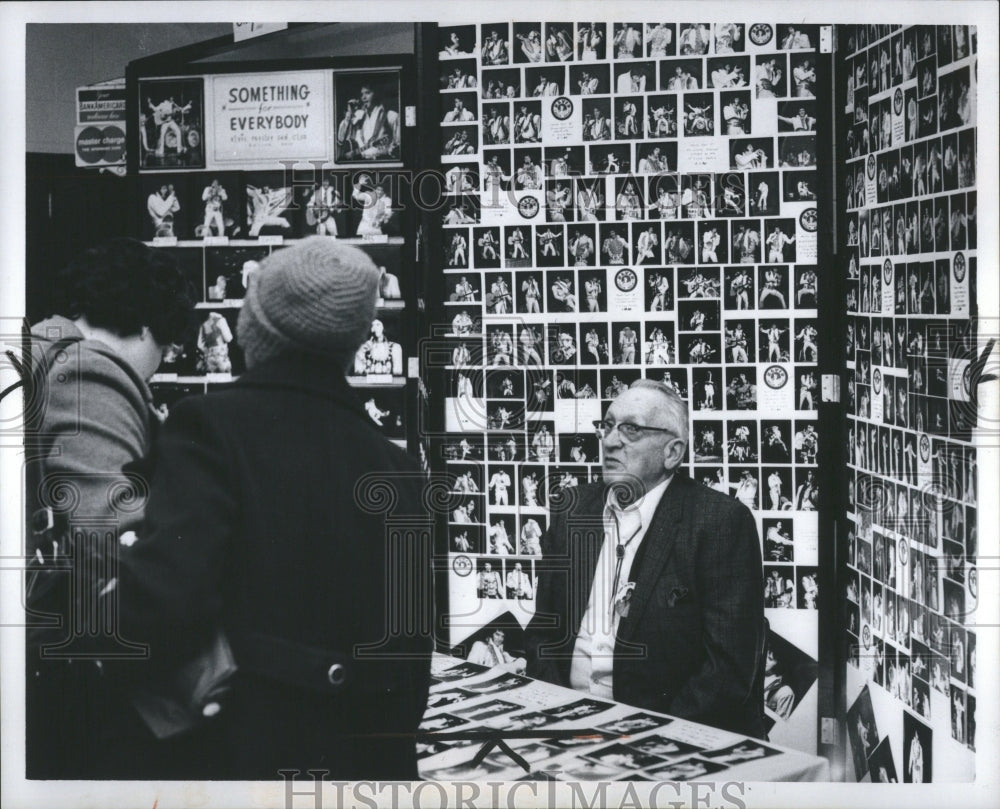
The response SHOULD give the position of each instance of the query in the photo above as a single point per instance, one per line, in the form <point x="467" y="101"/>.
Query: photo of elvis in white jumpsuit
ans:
<point x="213" y="196"/>
<point x="265" y="205"/>
<point x="214" y="337"/>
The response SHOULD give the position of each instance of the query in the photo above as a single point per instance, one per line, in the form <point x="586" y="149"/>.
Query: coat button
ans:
<point x="336" y="674"/>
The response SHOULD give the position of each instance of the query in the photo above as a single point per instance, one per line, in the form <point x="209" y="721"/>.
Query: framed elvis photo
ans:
<point x="172" y="124"/>
<point x="368" y="116"/>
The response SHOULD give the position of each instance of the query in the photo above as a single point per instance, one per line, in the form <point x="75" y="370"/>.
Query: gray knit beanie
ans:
<point x="317" y="296"/>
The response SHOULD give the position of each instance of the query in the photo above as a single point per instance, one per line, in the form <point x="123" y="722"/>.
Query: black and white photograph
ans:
<point x="458" y="40"/>
<point x="219" y="203"/>
<point x="458" y="141"/>
<point x="591" y="40"/>
<point x="698" y="114"/>
<point x="863" y="732"/>
<point x="497" y="83"/>
<point x="725" y="72"/>
<point x="163" y="215"/>
<point x="217" y="350"/>
<point x="661" y="122"/>
<point x="682" y="74"/>
<point x="740" y="752"/>
<point x="578" y="709"/>
<point x="747" y="154"/>
<point x="495" y="43"/>
<point x="544" y="82"/>
<point x="730" y="38"/>
<point x="588" y="79"/>
<point x="629" y="115"/>
<point x="635" y="723"/>
<point x="527" y="124"/>
<point x="624" y="757"/>
<point x="771" y="75"/>
<point x="321" y="202"/>
<point x="171" y="124"/>
<point x="693" y="38"/>
<point x="269" y="208"/>
<point x="626" y="40"/>
<point x="685" y="770"/>
<point x="516" y="260"/>
<point x="917" y="751"/>
<point x="367" y="115"/>
<point x="228" y="271"/>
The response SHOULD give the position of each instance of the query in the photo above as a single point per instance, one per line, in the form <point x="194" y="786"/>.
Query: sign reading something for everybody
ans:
<point x="270" y="116"/>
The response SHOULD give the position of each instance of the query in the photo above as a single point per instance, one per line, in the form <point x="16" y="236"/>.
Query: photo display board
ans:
<point x="257" y="120"/>
<point x="632" y="199"/>
<point x="909" y="600"/>
<point x="235" y="166"/>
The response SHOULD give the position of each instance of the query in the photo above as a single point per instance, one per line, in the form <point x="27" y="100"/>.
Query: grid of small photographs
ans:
<point x="626" y="200"/>
<point x="910" y="244"/>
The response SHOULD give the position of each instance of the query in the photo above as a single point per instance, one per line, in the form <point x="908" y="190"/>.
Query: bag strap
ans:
<point x="48" y="538"/>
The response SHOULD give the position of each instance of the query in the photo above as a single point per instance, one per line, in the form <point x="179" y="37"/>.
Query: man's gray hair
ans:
<point x="676" y="405"/>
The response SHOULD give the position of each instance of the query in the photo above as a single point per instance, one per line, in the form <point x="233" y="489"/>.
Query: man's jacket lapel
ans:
<point x="657" y="545"/>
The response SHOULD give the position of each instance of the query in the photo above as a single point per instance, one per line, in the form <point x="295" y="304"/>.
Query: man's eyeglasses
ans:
<point x="627" y="430"/>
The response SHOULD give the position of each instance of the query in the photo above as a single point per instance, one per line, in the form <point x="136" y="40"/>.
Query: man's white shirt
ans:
<point x="593" y="655"/>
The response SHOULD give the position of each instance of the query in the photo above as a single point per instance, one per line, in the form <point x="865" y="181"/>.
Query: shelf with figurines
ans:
<point x="266" y="207"/>
<point x="212" y="353"/>
<point x="221" y="275"/>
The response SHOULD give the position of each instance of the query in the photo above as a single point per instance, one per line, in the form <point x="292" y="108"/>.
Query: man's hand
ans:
<point x="515" y="666"/>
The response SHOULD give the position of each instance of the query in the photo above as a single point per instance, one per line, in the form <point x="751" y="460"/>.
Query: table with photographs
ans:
<point x="592" y="739"/>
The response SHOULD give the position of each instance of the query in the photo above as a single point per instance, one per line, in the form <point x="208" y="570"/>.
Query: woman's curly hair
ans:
<point x="123" y="285"/>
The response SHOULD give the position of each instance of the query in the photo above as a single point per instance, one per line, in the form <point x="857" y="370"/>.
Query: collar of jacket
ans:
<point x="657" y="544"/>
<point x="308" y="373"/>
<point x="59" y="329"/>
<point x="651" y="556"/>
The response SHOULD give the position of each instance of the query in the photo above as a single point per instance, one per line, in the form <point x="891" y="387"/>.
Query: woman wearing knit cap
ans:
<point x="267" y="516"/>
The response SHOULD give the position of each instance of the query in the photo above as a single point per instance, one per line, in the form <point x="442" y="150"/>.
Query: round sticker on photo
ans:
<point x="626" y="280"/>
<point x="761" y="33"/>
<point x="958" y="267"/>
<point x="528" y="207"/>
<point x="776" y="377"/>
<point x="562" y="108"/>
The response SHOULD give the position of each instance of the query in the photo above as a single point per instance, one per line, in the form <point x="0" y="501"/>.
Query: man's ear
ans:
<point x="673" y="453"/>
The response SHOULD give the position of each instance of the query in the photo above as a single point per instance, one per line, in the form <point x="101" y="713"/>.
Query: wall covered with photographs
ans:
<point x="632" y="199"/>
<point x="211" y="189"/>
<point x="909" y="603"/>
